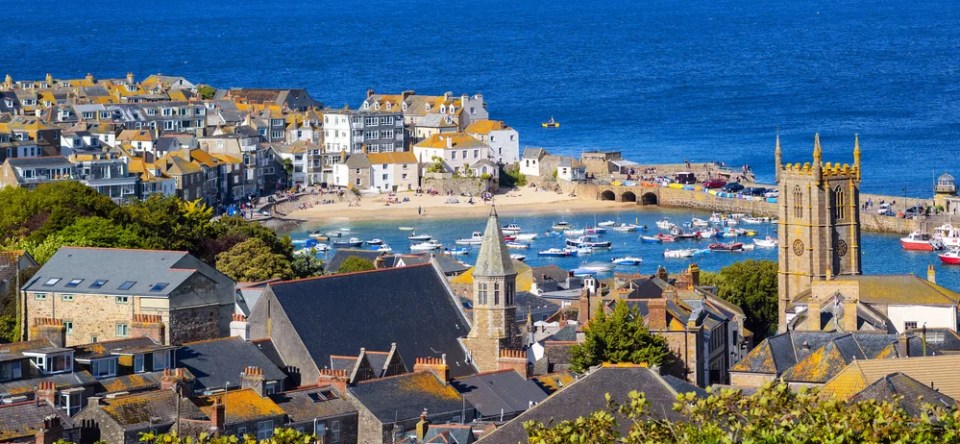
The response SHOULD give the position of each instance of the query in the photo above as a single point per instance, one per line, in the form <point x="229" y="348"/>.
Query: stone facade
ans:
<point x="819" y="223"/>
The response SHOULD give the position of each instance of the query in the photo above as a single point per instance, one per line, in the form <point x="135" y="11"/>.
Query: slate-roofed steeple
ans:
<point x="494" y="258"/>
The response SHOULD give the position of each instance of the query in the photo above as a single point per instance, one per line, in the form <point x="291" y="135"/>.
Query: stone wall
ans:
<point x="685" y="345"/>
<point x="740" y="379"/>
<point x="446" y="183"/>
<point x="196" y="324"/>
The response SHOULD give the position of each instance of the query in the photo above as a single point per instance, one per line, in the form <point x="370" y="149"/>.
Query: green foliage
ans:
<point x="436" y="165"/>
<point x="206" y="92"/>
<point x="486" y="176"/>
<point x="752" y="285"/>
<point x="252" y="261"/>
<point x="620" y="337"/>
<point x="283" y="435"/>
<point x="36" y="214"/>
<point x="774" y="414"/>
<point x="288" y="166"/>
<point x="556" y="172"/>
<point x="512" y="177"/>
<point x="354" y="263"/>
<point x="9" y="313"/>
<point x="306" y="265"/>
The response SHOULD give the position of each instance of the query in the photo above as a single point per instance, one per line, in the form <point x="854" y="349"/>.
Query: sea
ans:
<point x="659" y="80"/>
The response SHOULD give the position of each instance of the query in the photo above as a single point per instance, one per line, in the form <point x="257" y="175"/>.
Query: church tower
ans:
<point x="819" y="212"/>
<point x="494" y="313"/>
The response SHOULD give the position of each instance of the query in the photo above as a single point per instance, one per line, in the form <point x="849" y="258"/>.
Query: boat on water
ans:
<point x="594" y="230"/>
<point x="579" y="251"/>
<point x="319" y="235"/>
<point x="517" y="245"/>
<point x="624" y="228"/>
<point x="650" y="239"/>
<point x="383" y="248"/>
<point x="510" y="229"/>
<point x="729" y="247"/>
<point x="574" y="232"/>
<point x="665" y="224"/>
<point x="666" y="238"/>
<point x="561" y="226"/>
<point x="462" y="251"/>
<point x="518" y="257"/>
<point x="599" y="267"/>
<point x="552" y="123"/>
<point x="753" y="220"/>
<point x="715" y="219"/>
<point x="344" y="230"/>
<point x="525" y="237"/>
<point x="349" y="243"/>
<point x="606" y="223"/>
<point x="918" y="241"/>
<point x="582" y="272"/>
<point x="768" y="242"/>
<point x="475" y="239"/>
<point x="627" y="260"/>
<point x="589" y="241"/>
<point x="697" y="222"/>
<point x="375" y="242"/>
<point x="748" y="247"/>
<point x="679" y="253"/>
<point x="679" y="234"/>
<point x="951" y="257"/>
<point x="554" y="252"/>
<point x="305" y="252"/>
<point x="406" y="228"/>
<point x="948" y="235"/>
<point x="708" y="233"/>
<point x="419" y="237"/>
<point x="427" y="246"/>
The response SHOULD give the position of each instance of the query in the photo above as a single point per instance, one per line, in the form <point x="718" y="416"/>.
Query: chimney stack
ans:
<point x="422" y="426"/>
<point x="369" y="92"/>
<point x="252" y="378"/>
<point x="46" y="392"/>
<point x="90" y="78"/>
<point x="516" y="360"/>
<point x="449" y="142"/>
<point x="51" y="431"/>
<point x="49" y="329"/>
<point x="903" y="345"/>
<point x="148" y="325"/>
<point x="49" y="80"/>
<point x="931" y="274"/>
<point x="130" y="78"/>
<point x="657" y="314"/>
<point x="240" y="327"/>
<point x="335" y="378"/>
<point x="584" y="307"/>
<point x="218" y="418"/>
<point x="176" y="377"/>
<point x="437" y="366"/>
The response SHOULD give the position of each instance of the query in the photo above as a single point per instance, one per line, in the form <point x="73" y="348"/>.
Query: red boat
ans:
<point x="509" y="238"/>
<point x="734" y="246"/>
<point x="951" y="257"/>
<point x="920" y="242"/>
<point x="665" y="237"/>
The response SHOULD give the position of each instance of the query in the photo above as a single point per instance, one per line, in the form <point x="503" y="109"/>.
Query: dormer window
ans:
<point x="452" y="109"/>
<point x="52" y="363"/>
<point x="443" y="109"/>
<point x="104" y="368"/>
<point x="365" y="104"/>
<point x="404" y="106"/>
<point x="389" y="106"/>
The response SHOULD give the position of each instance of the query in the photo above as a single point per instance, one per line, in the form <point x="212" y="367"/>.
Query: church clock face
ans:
<point x="798" y="247"/>
<point x="842" y="248"/>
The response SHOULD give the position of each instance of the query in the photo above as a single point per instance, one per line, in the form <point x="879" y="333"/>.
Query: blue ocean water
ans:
<point x="661" y="80"/>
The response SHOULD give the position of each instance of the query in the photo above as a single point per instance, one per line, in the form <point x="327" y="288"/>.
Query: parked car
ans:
<point x="913" y="211"/>
<point x="758" y="191"/>
<point x="772" y="193"/>
<point x="885" y="210"/>
<point x="714" y="183"/>
<point x="733" y="187"/>
<point x="686" y="178"/>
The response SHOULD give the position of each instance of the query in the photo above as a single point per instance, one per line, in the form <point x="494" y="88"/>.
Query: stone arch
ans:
<point x="649" y="198"/>
<point x="608" y="195"/>
<point x="628" y="196"/>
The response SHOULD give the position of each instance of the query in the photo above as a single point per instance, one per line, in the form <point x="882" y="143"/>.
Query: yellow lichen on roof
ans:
<point x="134" y="135"/>
<point x="392" y="158"/>
<point x="241" y="406"/>
<point x="484" y="126"/>
<point x="457" y="141"/>
<point x="204" y="158"/>
<point x="177" y="95"/>
<point x="226" y="158"/>
<point x="845" y="384"/>
<point x="759" y="360"/>
<point x="426" y="383"/>
<point x="555" y="381"/>
<point x="125" y="383"/>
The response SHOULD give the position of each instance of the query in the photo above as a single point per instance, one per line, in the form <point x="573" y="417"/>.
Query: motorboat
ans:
<point x="650" y="239"/>
<point x="510" y="229"/>
<point x="561" y="226"/>
<point x="748" y="247"/>
<point x="323" y="248"/>
<point x="582" y="272"/>
<point x="715" y="219"/>
<point x="462" y="251"/>
<point x="518" y="257"/>
<point x="552" y="123"/>
<point x="383" y="248"/>
<point x="574" y="232"/>
<point x="594" y="230"/>
<point x="679" y="254"/>
<point x="525" y="237"/>
<point x="697" y="222"/>
<point x="579" y="251"/>
<point x="419" y="237"/>
<point x="732" y="246"/>
<point x="349" y="243"/>
<point x="627" y="260"/>
<point x="375" y="242"/>
<point x="948" y="235"/>
<point x="427" y="246"/>
<point x="517" y="245"/>
<point x="918" y="241"/>
<point x="624" y="228"/>
<point x="665" y="224"/>
<point x="406" y="228"/>
<point x="708" y="233"/>
<point x="475" y="239"/>
<point x="679" y="234"/>
<point x="599" y="267"/>
<point x="589" y="241"/>
<point x="666" y="238"/>
<point x="606" y="223"/>
<point x="951" y="257"/>
<point x="768" y="242"/>
<point x="319" y="235"/>
<point x="753" y="220"/>
<point x="554" y="252"/>
<point x="509" y="238"/>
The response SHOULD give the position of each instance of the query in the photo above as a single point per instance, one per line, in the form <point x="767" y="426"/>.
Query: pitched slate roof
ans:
<point x="117" y="347"/>
<point x="936" y="371"/>
<point x="410" y="306"/>
<point x="313" y="402"/>
<point x="449" y="434"/>
<point x="586" y="396"/>
<point x="216" y="362"/>
<point x="131" y="383"/>
<point x="392" y="158"/>
<point x="157" y="407"/>
<point x="61" y="381"/>
<point x="25" y="419"/>
<point x="405" y="396"/>
<point x="908" y="393"/>
<point x="239" y="406"/>
<point x="494" y="256"/>
<point x="534" y="153"/>
<point x="502" y="391"/>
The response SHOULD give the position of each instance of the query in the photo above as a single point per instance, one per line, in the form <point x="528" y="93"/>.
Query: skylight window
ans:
<point x="127" y="285"/>
<point x="74" y="282"/>
<point x="51" y="282"/>
<point x="98" y="283"/>
<point x="159" y="286"/>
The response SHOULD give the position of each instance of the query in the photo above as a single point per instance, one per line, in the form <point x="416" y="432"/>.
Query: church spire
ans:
<point x="856" y="154"/>
<point x="778" y="156"/>
<point x="494" y="256"/>
<point x="817" y="158"/>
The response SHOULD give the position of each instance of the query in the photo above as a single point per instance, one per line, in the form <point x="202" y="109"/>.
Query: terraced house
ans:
<point x="88" y="295"/>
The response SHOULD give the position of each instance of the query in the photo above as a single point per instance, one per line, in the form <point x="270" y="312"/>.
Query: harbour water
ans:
<point x="663" y="81"/>
<point x="881" y="253"/>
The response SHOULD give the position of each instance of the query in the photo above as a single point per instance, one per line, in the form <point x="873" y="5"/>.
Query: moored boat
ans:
<point x="951" y="257"/>
<point x="518" y="257"/>
<point x="719" y="246"/>
<point x="708" y="233"/>
<point x="560" y="226"/>
<point x="579" y="251"/>
<point x="627" y="260"/>
<point x="948" y="235"/>
<point x="552" y="123"/>
<point x="427" y="246"/>
<point x="768" y="242"/>
<point x="753" y="220"/>
<point x="699" y="222"/>
<point x="375" y="242"/>
<point x="624" y="228"/>
<point x="606" y="223"/>
<point x="419" y="237"/>
<point x="918" y="241"/>
<point x="650" y="239"/>
<point x="517" y="246"/>
<point x="666" y="238"/>
<point x="525" y="237"/>
<point x="679" y="254"/>
<point x="510" y="229"/>
<point x="594" y="230"/>
<point x="462" y="251"/>
<point x="383" y="248"/>
<point x="349" y="243"/>
<point x="665" y="224"/>
<point x="475" y="239"/>
<point x="406" y="228"/>
<point x="554" y="252"/>
<point x="574" y="232"/>
<point x="589" y="241"/>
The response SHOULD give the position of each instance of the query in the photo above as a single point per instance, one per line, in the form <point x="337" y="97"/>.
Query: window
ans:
<point x="159" y="286"/>
<point x="103" y="368"/>
<point x="797" y="202"/>
<point x="839" y="201"/>
<point x="123" y="299"/>
<point x="909" y="325"/>
<point x="98" y="283"/>
<point x="51" y="282"/>
<point x="384" y="177"/>
<point x="66" y="297"/>
<point x="453" y="154"/>
<point x="496" y="293"/>
<point x="70" y="401"/>
<point x="161" y="360"/>
<point x="68" y="327"/>
<point x="264" y="429"/>
<point x="10" y="370"/>
<point x="404" y="175"/>
<point x="122" y="330"/>
<point x="138" y="363"/>
<point x="482" y="293"/>
<point x="241" y="431"/>
<point x="476" y="154"/>
<point x="335" y="431"/>
<point x="126" y="285"/>
<point x="40" y="296"/>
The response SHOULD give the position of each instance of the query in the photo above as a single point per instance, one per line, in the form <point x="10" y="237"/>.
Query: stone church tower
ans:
<point x="819" y="228"/>
<point x="494" y="313"/>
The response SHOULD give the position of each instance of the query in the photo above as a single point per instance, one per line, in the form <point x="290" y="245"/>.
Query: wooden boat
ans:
<point x="475" y="239"/>
<point x="679" y="254"/>
<point x="349" y="243"/>
<point x="917" y="241"/>
<point x="554" y="252"/>
<point x="627" y="260"/>
<point x="768" y="242"/>
<point x="730" y="247"/>
<point x="552" y="123"/>
<point x="427" y="246"/>
<point x="951" y="257"/>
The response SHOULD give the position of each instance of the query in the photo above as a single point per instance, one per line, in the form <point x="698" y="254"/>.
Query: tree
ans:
<point x="252" y="261"/>
<point x="620" y="337"/>
<point x="281" y="435"/>
<point x="306" y="265"/>
<point x="354" y="263"/>
<point x="206" y="92"/>
<point x="774" y="414"/>
<point x="512" y="176"/>
<point x="436" y="165"/>
<point x="752" y="285"/>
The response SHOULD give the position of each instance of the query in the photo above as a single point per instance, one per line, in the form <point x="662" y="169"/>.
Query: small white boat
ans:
<point x="768" y="242"/>
<point x="748" y="247"/>
<point x="517" y="245"/>
<point x="699" y="222"/>
<point x="556" y="252"/>
<point x="573" y="232"/>
<point x="679" y="254"/>
<point x="304" y="252"/>
<point x="598" y="267"/>
<point x="627" y="260"/>
<point x="427" y="246"/>
<point x="462" y="251"/>
<point x="606" y="223"/>
<point x="560" y="226"/>
<point x="475" y="239"/>
<point x="579" y="251"/>
<point x="708" y="233"/>
<point x="753" y="220"/>
<point x="665" y="224"/>
<point x="323" y="248"/>
<point x="406" y="228"/>
<point x="715" y="219"/>
<point x="525" y="237"/>
<point x="383" y="248"/>
<point x="375" y="242"/>
<point x="948" y="235"/>
<point x="589" y="241"/>
<point x="344" y="230"/>
<point x="624" y="228"/>
<point x="510" y="229"/>
<point x="419" y="237"/>
<point x="518" y="257"/>
<point x="650" y="239"/>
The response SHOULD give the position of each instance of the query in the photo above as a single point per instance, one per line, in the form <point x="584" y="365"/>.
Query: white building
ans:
<point x="530" y="163"/>
<point x="458" y="151"/>
<point x="504" y="141"/>
<point x="398" y="171"/>
<point x="337" y="132"/>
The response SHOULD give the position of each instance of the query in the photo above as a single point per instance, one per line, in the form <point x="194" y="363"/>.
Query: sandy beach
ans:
<point x="520" y="202"/>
